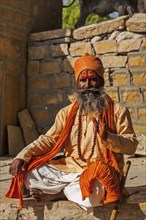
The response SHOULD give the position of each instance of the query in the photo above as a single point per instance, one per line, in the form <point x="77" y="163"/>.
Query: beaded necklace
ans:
<point x="79" y="138"/>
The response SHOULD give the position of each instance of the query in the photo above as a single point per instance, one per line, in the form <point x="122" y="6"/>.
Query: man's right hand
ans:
<point x="17" y="166"/>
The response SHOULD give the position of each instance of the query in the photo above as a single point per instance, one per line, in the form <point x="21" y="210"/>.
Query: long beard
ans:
<point x="92" y="100"/>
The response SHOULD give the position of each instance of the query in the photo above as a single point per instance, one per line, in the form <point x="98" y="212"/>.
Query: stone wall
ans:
<point x="121" y="45"/>
<point x="17" y="20"/>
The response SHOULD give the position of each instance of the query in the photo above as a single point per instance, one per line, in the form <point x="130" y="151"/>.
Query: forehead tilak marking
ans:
<point x="87" y="74"/>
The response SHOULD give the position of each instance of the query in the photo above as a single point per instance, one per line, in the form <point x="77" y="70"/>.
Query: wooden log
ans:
<point x="15" y="140"/>
<point x="28" y="126"/>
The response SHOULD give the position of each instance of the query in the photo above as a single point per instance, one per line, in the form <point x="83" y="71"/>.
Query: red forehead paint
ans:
<point x="86" y="74"/>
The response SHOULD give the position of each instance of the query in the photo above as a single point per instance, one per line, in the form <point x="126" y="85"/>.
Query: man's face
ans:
<point x="88" y="79"/>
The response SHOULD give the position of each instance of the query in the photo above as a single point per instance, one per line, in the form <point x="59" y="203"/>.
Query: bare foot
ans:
<point x="36" y="194"/>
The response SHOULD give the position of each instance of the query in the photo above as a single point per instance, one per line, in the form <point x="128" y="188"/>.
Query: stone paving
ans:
<point x="133" y="208"/>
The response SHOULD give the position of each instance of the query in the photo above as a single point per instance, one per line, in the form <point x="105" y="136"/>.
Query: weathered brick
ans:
<point x="114" y="61"/>
<point x="27" y="6"/>
<point x="106" y="78"/>
<point x="139" y="128"/>
<point x="106" y="46"/>
<point x="100" y="28"/>
<point x="61" y="82"/>
<point x="38" y="83"/>
<point x="33" y="67"/>
<point x="130" y="95"/>
<point x="6" y="14"/>
<point x="137" y="23"/>
<point x="34" y="99"/>
<point x="133" y="113"/>
<point x="50" y="99"/>
<point x="144" y="44"/>
<point x="142" y="113"/>
<point x="58" y="50"/>
<point x="46" y="35"/>
<point x="144" y="94"/>
<point x="68" y="64"/>
<point x="18" y="18"/>
<point x="38" y="52"/>
<point x="79" y="48"/>
<point x="129" y="45"/>
<point x="139" y="78"/>
<point x="136" y="60"/>
<point x="51" y="67"/>
<point x="120" y="79"/>
<point x="40" y="115"/>
<point x="113" y="93"/>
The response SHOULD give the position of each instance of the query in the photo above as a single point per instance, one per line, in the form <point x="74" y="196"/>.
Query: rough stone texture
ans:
<point x="46" y="35"/>
<point x="137" y="23"/>
<point x="100" y="28"/>
<point x="106" y="46"/>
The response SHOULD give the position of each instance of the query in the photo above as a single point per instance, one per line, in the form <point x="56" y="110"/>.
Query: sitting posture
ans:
<point x="94" y="132"/>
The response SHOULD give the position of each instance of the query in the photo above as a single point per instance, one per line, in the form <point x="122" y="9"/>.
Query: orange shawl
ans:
<point x="17" y="182"/>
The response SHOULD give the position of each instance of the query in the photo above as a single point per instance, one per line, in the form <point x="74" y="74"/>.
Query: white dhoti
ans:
<point x="50" y="180"/>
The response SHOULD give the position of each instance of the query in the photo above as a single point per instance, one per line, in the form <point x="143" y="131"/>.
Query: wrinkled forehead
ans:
<point x="87" y="74"/>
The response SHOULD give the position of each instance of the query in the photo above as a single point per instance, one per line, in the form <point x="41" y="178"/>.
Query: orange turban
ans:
<point x="88" y="62"/>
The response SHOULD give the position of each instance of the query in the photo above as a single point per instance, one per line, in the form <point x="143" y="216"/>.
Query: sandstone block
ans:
<point x="51" y="67"/>
<point x="38" y="83"/>
<point x="52" y="99"/>
<point x="139" y="78"/>
<point x="114" y="61"/>
<point x="68" y="64"/>
<point x="130" y="95"/>
<point x="142" y="113"/>
<point x="129" y="45"/>
<point x="61" y="82"/>
<point x="144" y="95"/>
<point x="34" y="99"/>
<point x="100" y="28"/>
<point x="137" y="23"/>
<point x="29" y="129"/>
<point x="136" y="60"/>
<point x="40" y="115"/>
<point x="33" y="67"/>
<point x="106" y="78"/>
<point x="144" y="44"/>
<point x="18" y="18"/>
<point x="133" y="113"/>
<point x="38" y="52"/>
<point x="106" y="46"/>
<point x="58" y="50"/>
<point x="113" y="93"/>
<point x="139" y="128"/>
<point x="120" y="79"/>
<point x="46" y="35"/>
<point x="79" y="48"/>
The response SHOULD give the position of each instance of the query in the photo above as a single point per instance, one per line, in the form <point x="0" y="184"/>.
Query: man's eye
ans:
<point x="82" y="80"/>
<point x="93" y="79"/>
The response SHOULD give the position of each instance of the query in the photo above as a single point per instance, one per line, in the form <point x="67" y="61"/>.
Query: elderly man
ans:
<point x="94" y="132"/>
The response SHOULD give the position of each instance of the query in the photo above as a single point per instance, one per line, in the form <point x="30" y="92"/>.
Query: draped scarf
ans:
<point x="109" y="164"/>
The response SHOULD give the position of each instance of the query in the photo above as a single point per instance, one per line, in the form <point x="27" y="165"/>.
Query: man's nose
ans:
<point x="87" y="83"/>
